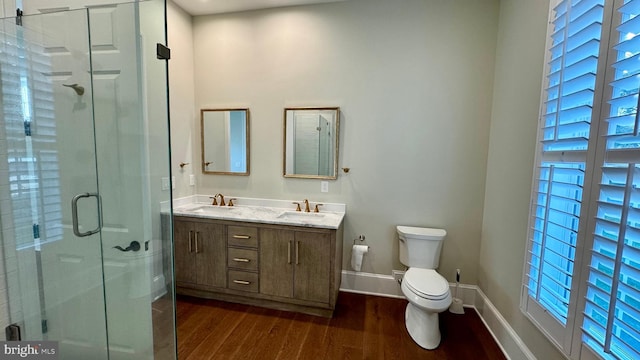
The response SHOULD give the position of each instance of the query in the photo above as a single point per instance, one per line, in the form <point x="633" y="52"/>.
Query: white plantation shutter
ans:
<point x="612" y="311"/>
<point x="582" y="178"/>
<point x="572" y="75"/>
<point x="565" y="128"/>
<point x="30" y="196"/>
<point x="554" y="236"/>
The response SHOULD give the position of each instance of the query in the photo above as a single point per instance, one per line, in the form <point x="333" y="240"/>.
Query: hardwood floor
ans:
<point x="363" y="327"/>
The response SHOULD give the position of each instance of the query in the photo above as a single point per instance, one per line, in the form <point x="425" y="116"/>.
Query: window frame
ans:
<point x="567" y="338"/>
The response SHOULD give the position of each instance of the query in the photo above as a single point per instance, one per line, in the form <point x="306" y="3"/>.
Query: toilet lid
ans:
<point x="426" y="283"/>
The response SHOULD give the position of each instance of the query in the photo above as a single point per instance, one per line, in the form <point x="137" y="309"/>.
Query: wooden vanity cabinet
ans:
<point x="242" y="258"/>
<point x="200" y="253"/>
<point x="295" y="264"/>
<point x="277" y="266"/>
<point x="312" y="273"/>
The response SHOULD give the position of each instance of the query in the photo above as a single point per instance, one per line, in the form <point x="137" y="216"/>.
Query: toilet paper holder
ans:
<point x="360" y="238"/>
<point x="357" y="253"/>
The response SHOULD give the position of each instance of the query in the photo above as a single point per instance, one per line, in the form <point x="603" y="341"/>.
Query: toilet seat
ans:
<point x="426" y="283"/>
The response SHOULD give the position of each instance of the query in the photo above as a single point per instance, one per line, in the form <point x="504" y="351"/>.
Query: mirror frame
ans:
<point x="336" y="152"/>
<point x="202" y="135"/>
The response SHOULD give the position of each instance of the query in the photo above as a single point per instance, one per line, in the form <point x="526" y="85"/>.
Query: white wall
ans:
<point x="414" y="83"/>
<point x="183" y="114"/>
<point x="516" y="99"/>
<point x="7" y="8"/>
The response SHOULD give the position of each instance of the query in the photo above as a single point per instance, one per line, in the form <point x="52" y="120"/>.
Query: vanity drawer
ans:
<point x="245" y="259"/>
<point x="242" y="236"/>
<point x="242" y="280"/>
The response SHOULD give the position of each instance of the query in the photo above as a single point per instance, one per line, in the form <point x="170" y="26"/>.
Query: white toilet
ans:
<point x="427" y="291"/>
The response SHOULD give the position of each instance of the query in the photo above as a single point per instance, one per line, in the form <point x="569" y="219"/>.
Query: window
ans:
<point x="27" y="126"/>
<point x="612" y="310"/>
<point x="585" y="215"/>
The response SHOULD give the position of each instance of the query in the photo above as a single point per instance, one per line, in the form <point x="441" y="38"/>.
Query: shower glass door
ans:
<point x="51" y="204"/>
<point x="83" y="136"/>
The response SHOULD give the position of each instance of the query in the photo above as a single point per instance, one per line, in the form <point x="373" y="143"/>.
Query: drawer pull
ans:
<point x="241" y="237"/>
<point x="241" y="260"/>
<point x="242" y="282"/>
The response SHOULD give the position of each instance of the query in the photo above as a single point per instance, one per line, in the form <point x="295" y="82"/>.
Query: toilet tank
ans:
<point x="420" y="247"/>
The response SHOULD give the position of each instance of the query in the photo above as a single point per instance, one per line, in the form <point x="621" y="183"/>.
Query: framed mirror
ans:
<point x="311" y="142"/>
<point x="225" y="141"/>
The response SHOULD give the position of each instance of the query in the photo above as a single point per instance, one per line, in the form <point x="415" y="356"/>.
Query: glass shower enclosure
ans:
<point x="84" y="150"/>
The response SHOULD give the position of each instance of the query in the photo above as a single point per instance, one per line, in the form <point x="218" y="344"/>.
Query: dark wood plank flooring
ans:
<point x="363" y="327"/>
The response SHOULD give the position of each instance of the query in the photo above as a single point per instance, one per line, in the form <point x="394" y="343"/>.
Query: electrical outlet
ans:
<point x="397" y="275"/>
<point x="173" y="182"/>
<point x="192" y="180"/>
<point x="165" y="183"/>
<point x="324" y="186"/>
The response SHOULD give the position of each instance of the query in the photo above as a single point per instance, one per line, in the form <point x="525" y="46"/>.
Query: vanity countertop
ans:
<point x="264" y="211"/>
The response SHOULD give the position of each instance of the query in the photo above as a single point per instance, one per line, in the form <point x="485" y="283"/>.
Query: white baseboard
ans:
<point x="511" y="344"/>
<point x="386" y="285"/>
<point x="472" y="297"/>
<point x="370" y="284"/>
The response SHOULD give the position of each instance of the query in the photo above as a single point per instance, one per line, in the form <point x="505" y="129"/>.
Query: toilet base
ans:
<point x="423" y="327"/>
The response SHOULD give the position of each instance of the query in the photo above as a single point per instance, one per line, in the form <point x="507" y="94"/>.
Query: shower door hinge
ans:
<point x="163" y="52"/>
<point x="12" y="332"/>
<point x="36" y="231"/>
<point x="27" y="128"/>
<point x="18" y="17"/>
<point x="45" y="326"/>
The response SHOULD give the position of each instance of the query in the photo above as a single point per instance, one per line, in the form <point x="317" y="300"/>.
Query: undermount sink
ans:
<point x="299" y="215"/>
<point x="211" y="209"/>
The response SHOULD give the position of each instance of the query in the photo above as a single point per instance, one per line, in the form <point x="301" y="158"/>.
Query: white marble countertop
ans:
<point x="265" y="211"/>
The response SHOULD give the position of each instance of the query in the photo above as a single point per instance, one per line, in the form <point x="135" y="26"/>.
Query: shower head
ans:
<point x="77" y="88"/>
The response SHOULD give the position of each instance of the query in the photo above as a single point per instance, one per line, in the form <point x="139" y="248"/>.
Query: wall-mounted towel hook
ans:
<point x="183" y="164"/>
<point x="77" y="88"/>
<point x="346" y="169"/>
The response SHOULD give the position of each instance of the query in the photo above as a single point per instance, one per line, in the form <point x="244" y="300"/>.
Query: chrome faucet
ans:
<point x="306" y="205"/>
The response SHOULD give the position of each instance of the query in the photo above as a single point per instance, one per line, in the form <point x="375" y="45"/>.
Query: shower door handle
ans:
<point x="74" y="214"/>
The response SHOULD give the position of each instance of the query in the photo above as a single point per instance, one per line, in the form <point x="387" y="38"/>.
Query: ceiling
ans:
<point x="206" y="7"/>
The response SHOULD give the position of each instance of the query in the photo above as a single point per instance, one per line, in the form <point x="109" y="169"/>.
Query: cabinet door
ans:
<point x="313" y="266"/>
<point x="211" y="255"/>
<point x="183" y="251"/>
<point x="276" y="262"/>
